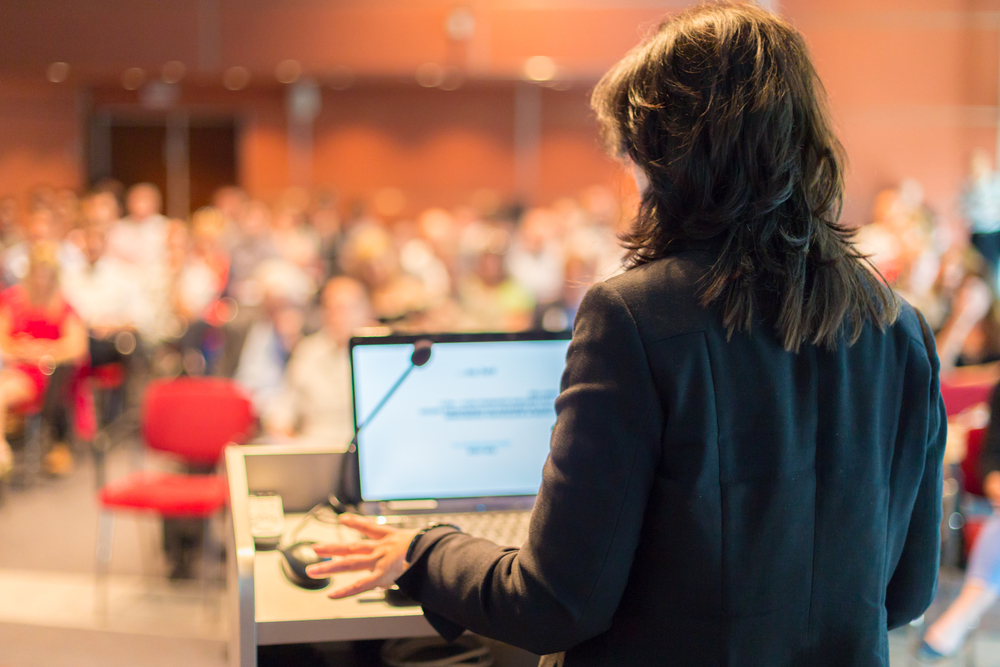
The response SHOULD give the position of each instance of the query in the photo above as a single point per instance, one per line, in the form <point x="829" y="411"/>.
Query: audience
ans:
<point x="38" y="333"/>
<point x="315" y="401"/>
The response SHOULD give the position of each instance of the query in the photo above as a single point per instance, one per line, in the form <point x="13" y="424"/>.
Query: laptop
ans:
<point x="464" y="438"/>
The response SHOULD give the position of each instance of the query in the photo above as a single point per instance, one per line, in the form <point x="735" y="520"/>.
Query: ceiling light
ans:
<point x="133" y="77"/>
<point x="430" y="75"/>
<point x="173" y="71"/>
<point x="539" y="68"/>
<point x="288" y="71"/>
<point x="57" y="72"/>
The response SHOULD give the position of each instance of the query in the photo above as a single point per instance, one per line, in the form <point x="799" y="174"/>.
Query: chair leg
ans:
<point x="206" y="559"/>
<point x="105" y="544"/>
<point x="32" y="449"/>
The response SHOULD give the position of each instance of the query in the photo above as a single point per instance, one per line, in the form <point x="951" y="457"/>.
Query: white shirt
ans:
<point x="141" y="243"/>
<point x="17" y="259"/>
<point x="107" y="294"/>
<point x="316" y="395"/>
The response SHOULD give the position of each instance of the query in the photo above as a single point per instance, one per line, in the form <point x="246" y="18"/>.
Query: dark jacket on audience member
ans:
<point x="711" y="501"/>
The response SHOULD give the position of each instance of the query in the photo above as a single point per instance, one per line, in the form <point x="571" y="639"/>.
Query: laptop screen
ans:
<point x="474" y="421"/>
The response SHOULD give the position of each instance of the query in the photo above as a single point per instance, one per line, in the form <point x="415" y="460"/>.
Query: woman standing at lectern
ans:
<point x="746" y="464"/>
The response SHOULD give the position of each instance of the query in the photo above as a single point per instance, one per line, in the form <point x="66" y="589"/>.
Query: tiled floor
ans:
<point x="48" y="614"/>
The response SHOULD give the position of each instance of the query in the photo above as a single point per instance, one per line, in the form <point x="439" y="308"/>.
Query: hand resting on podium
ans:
<point x="383" y="554"/>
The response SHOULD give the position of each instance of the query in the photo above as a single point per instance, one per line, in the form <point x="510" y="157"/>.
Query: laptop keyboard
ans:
<point x="504" y="528"/>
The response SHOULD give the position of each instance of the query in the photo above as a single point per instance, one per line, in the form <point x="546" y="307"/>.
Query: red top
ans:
<point x="28" y="320"/>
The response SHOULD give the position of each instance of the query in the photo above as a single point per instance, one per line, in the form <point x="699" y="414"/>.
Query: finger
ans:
<point x="364" y="525"/>
<point x="345" y="564"/>
<point x="343" y="549"/>
<point x="360" y="586"/>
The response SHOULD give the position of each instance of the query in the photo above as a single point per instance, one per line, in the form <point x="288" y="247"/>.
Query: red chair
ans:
<point x="194" y="419"/>
<point x="958" y="397"/>
<point x="972" y="484"/>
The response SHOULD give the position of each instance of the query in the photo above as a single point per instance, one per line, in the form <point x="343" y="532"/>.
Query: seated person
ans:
<point x="268" y="346"/>
<point x="315" y="402"/>
<point x="982" y="577"/>
<point x="38" y="332"/>
<point x="105" y="293"/>
<point x="42" y="227"/>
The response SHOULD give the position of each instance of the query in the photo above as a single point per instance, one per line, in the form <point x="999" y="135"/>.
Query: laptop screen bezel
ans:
<point x="408" y="506"/>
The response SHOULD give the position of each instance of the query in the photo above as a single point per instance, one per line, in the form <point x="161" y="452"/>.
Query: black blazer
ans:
<point x="710" y="501"/>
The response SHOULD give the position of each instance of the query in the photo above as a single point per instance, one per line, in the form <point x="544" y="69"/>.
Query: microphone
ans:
<point x="419" y="357"/>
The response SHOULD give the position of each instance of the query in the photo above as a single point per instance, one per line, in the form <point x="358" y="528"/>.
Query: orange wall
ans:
<point x="40" y="137"/>
<point x="913" y="89"/>
<point x="913" y="86"/>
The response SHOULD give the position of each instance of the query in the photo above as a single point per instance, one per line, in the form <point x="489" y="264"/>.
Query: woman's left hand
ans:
<point x="383" y="554"/>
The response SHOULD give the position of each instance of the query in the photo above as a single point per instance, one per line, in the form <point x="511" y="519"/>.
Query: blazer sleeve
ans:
<point x="913" y="583"/>
<point x="564" y="584"/>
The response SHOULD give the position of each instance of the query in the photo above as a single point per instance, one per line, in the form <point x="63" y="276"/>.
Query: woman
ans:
<point x="745" y="468"/>
<point x="38" y="332"/>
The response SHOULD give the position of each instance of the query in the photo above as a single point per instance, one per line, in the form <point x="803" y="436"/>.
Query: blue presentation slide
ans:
<point x="476" y="420"/>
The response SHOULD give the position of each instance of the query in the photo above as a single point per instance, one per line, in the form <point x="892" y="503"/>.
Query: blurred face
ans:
<point x="93" y="246"/>
<point x="232" y="202"/>
<point x="42" y="280"/>
<point x="345" y="309"/>
<point x="257" y="220"/>
<point x="41" y="226"/>
<point x="142" y="202"/>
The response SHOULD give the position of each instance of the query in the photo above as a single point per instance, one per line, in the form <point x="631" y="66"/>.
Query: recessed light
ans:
<point x="430" y="75"/>
<point x="57" y="72"/>
<point x="173" y="71"/>
<point x="540" y="68"/>
<point x="288" y="71"/>
<point x="133" y="77"/>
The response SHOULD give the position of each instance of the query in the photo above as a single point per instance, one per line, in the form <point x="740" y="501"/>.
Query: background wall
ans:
<point x="913" y="85"/>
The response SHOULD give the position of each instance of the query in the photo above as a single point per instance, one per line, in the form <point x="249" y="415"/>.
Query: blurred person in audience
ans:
<point x="981" y="207"/>
<point x="899" y="232"/>
<point x="325" y="220"/>
<point x="39" y="332"/>
<point x="232" y="203"/>
<point x="100" y="209"/>
<point x="559" y="315"/>
<point x="42" y="228"/>
<point x="492" y="299"/>
<point x="315" y="400"/>
<point x="982" y="576"/>
<point x="442" y="232"/>
<point x="970" y="335"/>
<point x="418" y="254"/>
<point x="140" y="238"/>
<point x="295" y="241"/>
<point x="370" y="256"/>
<point x="252" y="248"/>
<point x="66" y="207"/>
<point x="10" y="228"/>
<point x="273" y="334"/>
<point x="107" y="296"/>
<point x="535" y="259"/>
<point x="190" y="284"/>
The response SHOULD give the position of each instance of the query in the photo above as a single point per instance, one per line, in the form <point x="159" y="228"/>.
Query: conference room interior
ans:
<point x="223" y="193"/>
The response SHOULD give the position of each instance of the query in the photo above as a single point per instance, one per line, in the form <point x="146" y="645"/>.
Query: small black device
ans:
<point x="294" y="560"/>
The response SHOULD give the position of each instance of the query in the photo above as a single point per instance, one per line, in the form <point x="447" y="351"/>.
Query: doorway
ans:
<point x="187" y="157"/>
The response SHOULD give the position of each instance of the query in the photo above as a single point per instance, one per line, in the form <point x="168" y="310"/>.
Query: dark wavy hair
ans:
<point x="723" y="112"/>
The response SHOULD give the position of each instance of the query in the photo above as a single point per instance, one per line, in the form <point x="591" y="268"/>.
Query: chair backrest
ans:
<point x="959" y="397"/>
<point x="971" y="479"/>
<point x="195" y="418"/>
